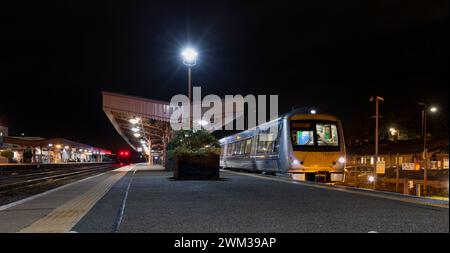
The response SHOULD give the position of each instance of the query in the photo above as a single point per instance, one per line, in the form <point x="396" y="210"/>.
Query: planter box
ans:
<point x="196" y="167"/>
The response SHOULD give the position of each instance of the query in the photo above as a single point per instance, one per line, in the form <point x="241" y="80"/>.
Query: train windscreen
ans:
<point x="318" y="135"/>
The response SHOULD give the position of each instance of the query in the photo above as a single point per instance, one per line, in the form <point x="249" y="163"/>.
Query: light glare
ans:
<point x="189" y="56"/>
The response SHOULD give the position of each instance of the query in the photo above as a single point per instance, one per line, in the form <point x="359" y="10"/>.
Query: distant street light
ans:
<point x="394" y="132"/>
<point x="377" y="99"/>
<point x="425" y="111"/>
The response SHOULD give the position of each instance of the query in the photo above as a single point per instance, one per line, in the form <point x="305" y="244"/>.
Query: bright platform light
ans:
<point x="433" y="109"/>
<point x="189" y="56"/>
<point x="134" y="121"/>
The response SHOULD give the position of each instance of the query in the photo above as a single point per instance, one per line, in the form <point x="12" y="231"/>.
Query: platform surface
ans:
<point x="140" y="198"/>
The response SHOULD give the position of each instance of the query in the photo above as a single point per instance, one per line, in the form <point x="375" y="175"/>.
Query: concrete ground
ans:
<point x="243" y="203"/>
<point x="146" y="199"/>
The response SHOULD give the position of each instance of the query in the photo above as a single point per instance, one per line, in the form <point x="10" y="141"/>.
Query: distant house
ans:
<point x="395" y="154"/>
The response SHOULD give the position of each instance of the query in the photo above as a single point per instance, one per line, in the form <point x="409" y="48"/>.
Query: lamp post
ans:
<point x="425" y="111"/>
<point x="377" y="99"/>
<point x="189" y="59"/>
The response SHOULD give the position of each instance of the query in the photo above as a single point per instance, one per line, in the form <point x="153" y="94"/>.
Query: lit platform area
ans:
<point x="142" y="198"/>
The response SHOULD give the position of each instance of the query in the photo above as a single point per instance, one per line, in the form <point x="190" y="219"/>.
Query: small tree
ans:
<point x="188" y="142"/>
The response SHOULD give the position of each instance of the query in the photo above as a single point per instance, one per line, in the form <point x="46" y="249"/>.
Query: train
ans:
<point x="124" y="157"/>
<point x="309" y="146"/>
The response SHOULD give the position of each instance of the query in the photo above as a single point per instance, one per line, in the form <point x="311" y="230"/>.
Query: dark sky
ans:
<point x="57" y="56"/>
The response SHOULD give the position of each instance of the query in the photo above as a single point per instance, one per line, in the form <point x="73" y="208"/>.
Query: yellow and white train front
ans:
<point x="318" y="149"/>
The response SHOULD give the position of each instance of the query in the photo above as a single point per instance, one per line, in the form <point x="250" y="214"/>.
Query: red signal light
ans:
<point x="124" y="153"/>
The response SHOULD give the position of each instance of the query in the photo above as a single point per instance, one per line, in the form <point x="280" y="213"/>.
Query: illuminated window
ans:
<point x="248" y="146"/>
<point x="302" y="134"/>
<point x="327" y="134"/>
<point x="243" y="146"/>
<point x="237" y="148"/>
<point x="267" y="139"/>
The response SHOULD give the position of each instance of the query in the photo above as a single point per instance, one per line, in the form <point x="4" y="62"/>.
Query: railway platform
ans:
<point x="142" y="198"/>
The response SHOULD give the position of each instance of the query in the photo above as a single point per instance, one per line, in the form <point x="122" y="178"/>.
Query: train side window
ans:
<point x="243" y="146"/>
<point x="222" y="150"/>
<point x="248" y="146"/>
<point x="266" y="139"/>
<point x="237" y="148"/>
<point x="230" y="149"/>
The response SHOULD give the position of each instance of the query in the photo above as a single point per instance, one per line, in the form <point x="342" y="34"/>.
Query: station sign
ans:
<point x="408" y="166"/>
<point x="381" y="167"/>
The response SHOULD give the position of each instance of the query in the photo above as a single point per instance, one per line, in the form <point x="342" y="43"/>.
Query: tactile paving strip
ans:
<point x="64" y="217"/>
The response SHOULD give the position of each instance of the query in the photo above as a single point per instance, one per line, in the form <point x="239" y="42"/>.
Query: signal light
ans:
<point x="124" y="153"/>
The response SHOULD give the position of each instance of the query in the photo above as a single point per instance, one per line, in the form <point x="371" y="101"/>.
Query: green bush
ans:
<point x="188" y="142"/>
<point x="8" y="154"/>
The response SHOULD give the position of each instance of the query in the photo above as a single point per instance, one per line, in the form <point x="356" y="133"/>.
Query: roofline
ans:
<point x="135" y="97"/>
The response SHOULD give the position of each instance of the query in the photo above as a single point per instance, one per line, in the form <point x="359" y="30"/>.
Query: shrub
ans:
<point x="197" y="143"/>
<point x="8" y="154"/>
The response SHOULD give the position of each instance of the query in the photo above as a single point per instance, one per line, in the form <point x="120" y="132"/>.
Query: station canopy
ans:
<point x="38" y="142"/>
<point x="143" y="123"/>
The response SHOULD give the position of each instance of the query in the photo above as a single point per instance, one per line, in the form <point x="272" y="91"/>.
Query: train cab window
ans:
<point x="302" y="134"/>
<point x="327" y="134"/>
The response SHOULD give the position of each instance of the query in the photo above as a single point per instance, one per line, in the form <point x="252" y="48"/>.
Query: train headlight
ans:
<point x="295" y="162"/>
<point x="341" y="159"/>
<point x="371" y="179"/>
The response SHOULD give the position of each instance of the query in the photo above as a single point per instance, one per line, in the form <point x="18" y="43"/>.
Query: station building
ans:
<point x="397" y="153"/>
<point x="14" y="149"/>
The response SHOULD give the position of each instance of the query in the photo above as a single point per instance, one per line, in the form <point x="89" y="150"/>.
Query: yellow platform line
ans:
<point x="66" y="216"/>
<point x="347" y="190"/>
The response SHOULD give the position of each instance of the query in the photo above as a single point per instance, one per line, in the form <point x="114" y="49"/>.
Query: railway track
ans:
<point x="13" y="187"/>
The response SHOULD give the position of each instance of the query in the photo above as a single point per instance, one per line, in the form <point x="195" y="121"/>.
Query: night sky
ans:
<point x="57" y="56"/>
